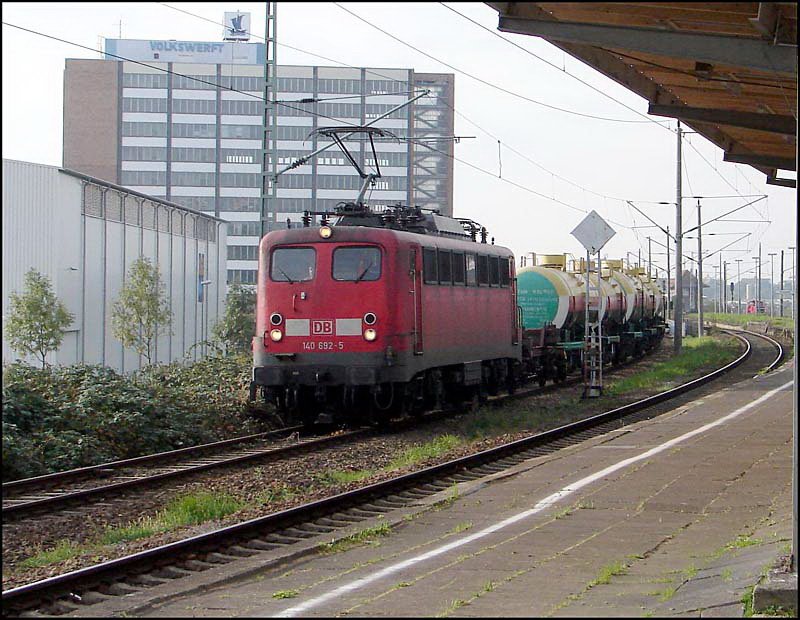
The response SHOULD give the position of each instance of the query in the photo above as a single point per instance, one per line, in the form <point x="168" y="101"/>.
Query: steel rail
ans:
<point x="81" y="472"/>
<point x="87" y="578"/>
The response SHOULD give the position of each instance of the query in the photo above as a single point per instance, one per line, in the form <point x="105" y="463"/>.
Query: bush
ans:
<point x="74" y="416"/>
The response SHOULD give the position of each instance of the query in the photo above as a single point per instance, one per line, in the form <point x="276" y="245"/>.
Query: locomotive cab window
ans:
<point x="472" y="270"/>
<point x="356" y="264"/>
<point x="505" y="272"/>
<point x="494" y="270"/>
<point x="458" y="268"/>
<point x="445" y="270"/>
<point x="293" y="264"/>
<point x="483" y="269"/>
<point x="429" y="266"/>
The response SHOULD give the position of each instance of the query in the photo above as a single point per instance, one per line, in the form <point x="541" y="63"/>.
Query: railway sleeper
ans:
<point x="215" y="557"/>
<point x="93" y="596"/>
<point x="260" y="545"/>
<point x="298" y="533"/>
<point x="171" y="572"/>
<point x="344" y="516"/>
<point x="147" y="580"/>
<point x="316" y="528"/>
<point x="197" y="565"/>
<point x="240" y="551"/>
<point x="281" y="540"/>
<point x="327" y="522"/>
<point x="119" y="588"/>
<point x="364" y="514"/>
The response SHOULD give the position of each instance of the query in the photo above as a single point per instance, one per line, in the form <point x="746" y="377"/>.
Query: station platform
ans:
<point x="681" y="515"/>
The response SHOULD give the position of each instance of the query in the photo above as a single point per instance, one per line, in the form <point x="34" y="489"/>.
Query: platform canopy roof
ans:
<point x="728" y="70"/>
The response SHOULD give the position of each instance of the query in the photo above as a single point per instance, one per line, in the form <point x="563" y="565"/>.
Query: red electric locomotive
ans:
<point x="382" y="313"/>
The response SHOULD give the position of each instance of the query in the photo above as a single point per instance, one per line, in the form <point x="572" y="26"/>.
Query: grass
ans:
<point x="64" y="550"/>
<point x="742" y="319"/>
<point x="461" y="527"/>
<point x="191" y="509"/>
<point x="431" y="449"/>
<point x="186" y="510"/>
<point x="696" y="353"/>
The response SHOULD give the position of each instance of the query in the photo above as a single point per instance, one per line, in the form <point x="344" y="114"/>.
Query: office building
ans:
<point x="184" y="121"/>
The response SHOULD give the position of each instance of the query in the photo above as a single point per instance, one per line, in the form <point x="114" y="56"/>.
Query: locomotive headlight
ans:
<point x="275" y="318"/>
<point x="276" y="335"/>
<point x="370" y="318"/>
<point x="370" y="334"/>
<point x="325" y="232"/>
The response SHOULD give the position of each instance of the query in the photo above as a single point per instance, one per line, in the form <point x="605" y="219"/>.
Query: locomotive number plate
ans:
<point x="323" y="346"/>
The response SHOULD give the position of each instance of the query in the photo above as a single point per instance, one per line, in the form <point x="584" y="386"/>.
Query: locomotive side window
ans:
<point x="445" y="269"/>
<point x="472" y="270"/>
<point x="494" y="270"/>
<point x="505" y="272"/>
<point x="483" y="269"/>
<point x="458" y="268"/>
<point x="293" y="264"/>
<point x="429" y="266"/>
<point x="356" y="264"/>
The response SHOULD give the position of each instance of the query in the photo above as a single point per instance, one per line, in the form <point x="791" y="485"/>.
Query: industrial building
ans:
<point x="83" y="233"/>
<point x="183" y="121"/>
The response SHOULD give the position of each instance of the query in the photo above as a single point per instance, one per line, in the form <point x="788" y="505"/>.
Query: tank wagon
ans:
<point x="368" y="315"/>
<point x="552" y="301"/>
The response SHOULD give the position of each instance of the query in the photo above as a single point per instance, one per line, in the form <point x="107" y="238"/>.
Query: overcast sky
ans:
<point x="558" y="163"/>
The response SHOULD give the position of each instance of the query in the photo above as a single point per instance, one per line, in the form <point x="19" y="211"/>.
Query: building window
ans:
<point x="143" y="177"/>
<point x="144" y="130"/>
<point x="239" y="204"/>
<point x="239" y="179"/>
<point x="242" y="276"/>
<point x="185" y="154"/>
<point x="144" y="80"/>
<point x="193" y="179"/>
<point x="194" y="106"/>
<point x="247" y="132"/>
<point x="143" y="104"/>
<point x="247" y="108"/>
<point x="242" y="252"/>
<point x="194" y="82"/>
<point x="144" y="153"/>
<point x="193" y="130"/>
<point x="244" y="229"/>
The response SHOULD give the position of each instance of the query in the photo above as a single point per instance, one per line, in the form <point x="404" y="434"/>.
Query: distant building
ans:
<point x="197" y="142"/>
<point x="84" y="233"/>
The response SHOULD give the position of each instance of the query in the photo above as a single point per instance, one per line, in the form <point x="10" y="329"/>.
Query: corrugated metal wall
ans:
<point x="84" y="235"/>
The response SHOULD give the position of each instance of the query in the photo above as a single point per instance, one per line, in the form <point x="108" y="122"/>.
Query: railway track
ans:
<point x="43" y="495"/>
<point x="261" y="537"/>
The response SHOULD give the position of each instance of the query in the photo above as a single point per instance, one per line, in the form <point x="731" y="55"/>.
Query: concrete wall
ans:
<point x="91" y="140"/>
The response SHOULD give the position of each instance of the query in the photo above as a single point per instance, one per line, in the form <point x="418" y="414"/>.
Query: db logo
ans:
<point x="322" y="328"/>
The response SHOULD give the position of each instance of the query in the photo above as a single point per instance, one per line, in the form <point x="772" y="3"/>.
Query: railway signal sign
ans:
<point x="593" y="233"/>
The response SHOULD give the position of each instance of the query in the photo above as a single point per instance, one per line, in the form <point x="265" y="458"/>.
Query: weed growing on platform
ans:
<point x="285" y="594"/>
<point x="607" y="572"/>
<point x="367" y="536"/>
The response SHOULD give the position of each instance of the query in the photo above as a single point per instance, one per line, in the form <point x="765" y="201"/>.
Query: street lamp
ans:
<point x="203" y="317"/>
<point x="758" y="281"/>
<point x="739" y="285"/>
<point x="771" y="284"/>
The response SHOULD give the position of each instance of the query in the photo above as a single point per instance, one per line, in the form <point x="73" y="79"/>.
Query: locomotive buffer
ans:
<point x="593" y="233"/>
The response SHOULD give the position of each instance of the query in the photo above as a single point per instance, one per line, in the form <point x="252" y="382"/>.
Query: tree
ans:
<point x="37" y="319"/>
<point x="236" y="327"/>
<point x="141" y="313"/>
